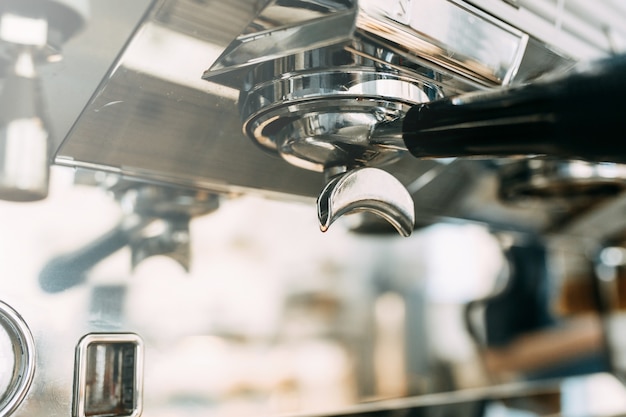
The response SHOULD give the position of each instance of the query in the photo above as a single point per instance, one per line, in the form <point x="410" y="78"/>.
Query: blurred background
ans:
<point x="275" y="317"/>
<point x="245" y="308"/>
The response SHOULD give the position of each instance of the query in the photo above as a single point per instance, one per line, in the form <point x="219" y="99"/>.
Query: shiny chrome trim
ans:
<point x="353" y="98"/>
<point x="367" y="189"/>
<point x="573" y="180"/>
<point x="448" y="33"/>
<point x="317" y="109"/>
<point x="284" y="28"/>
<point x="80" y="371"/>
<point x="24" y="351"/>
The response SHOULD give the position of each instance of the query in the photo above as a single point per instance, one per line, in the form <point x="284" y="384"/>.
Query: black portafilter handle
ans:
<point x="580" y="115"/>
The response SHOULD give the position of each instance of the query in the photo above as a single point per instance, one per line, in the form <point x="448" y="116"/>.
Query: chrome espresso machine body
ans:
<point x="162" y="163"/>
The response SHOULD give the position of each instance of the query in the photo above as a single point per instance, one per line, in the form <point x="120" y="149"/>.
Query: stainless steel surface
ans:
<point x="43" y="26"/>
<point x="166" y="213"/>
<point x="367" y="189"/>
<point x="155" y="223"/>
<point x="21" y="365"/>
<point x="23" y="30"/>
<point x="319" y="108"/>
<point x="109" y="375"/>
<point x="143" y="77"/>
<point x="508" y="399"/>
<point x="151" y="79"/>
<point x="24" y="138"/>
<point x="489" y="307"/>
<point x="486" y="50"/>
<point x="31" y="33"/>
<point x="570" y="182"/>
<point x="282" y="28"/>
<point x="320" y="120"/>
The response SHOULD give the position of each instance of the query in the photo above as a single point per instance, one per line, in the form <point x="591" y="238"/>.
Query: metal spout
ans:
<point x="367" y="189"/>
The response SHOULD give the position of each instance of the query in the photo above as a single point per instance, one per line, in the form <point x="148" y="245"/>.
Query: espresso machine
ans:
<point x="312" y="208"/>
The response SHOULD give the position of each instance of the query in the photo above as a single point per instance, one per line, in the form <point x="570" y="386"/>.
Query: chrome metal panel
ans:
<point x="170" y="115"/>
<point x="196" y="158"/>
<point x="451" y="34"/>
<point x="108" y="377"/>
<point x="154" y="119"/>
<point x="18" y="370"/>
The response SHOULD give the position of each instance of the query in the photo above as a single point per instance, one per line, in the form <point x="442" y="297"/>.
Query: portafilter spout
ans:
<point x="367" y="189"/>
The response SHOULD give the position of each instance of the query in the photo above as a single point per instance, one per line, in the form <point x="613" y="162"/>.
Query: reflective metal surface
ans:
<point x="165" y="78"/>
<point x="483" y="48"/>
<point x="369" y="189"/>
<point x="24" y="133"/>
<point x="109" y="375"/>
<point x="318" y="108"/>
<point x="170" y="113"/>
<point x="571" y="182"/>
<point x="282" y="28"/>
<point x="22" y="363"/>
<point x="31" y="33"/>
<point x="149" y="81"/>
<point x="492" y="306"/>
<point x="155" y="223"/>
<point x="318" y="120"/>
<point x="43" y="26"/>
<point x="318" y="111"/>
<point x="513" y="399"/>
<point x="486" y="50"/>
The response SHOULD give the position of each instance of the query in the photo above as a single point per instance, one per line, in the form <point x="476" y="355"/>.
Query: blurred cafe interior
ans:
<point x="312" y="208"/>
